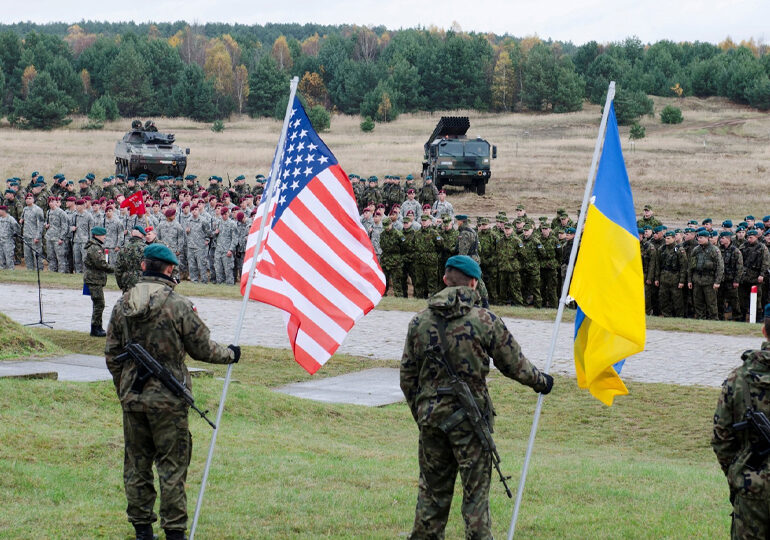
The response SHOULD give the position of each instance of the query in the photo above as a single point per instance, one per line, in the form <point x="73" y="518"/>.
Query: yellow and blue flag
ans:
<point x="608" y="283"/>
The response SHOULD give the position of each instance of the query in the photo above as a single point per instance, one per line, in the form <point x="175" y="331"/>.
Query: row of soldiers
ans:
<point x="209" y="233"/>
<point x="704" y="271"/>
<point x="523" y="263"/>
<point x="368" y="191"/>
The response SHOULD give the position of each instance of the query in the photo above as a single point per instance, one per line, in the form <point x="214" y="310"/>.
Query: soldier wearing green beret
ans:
<point x="128" y="266"/>
<point x="650" y="270"/>
<point x="670" y="277"/>
<point x="756" y="263"/>
<point x="531" y="254"/>
<point x="155" y="422"/>
<point x="706" y="269"/>
<point x="449" y="236"/>
<point x="738" y="451"/>
<point x="728" y="291"/>
<point x="95" y="276"/>
<point x="509" y="248"/>
<point x="465" y="336"/>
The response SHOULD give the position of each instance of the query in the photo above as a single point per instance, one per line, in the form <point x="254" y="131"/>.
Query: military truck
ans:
<point x="452" y="159"/>
<point x="144" y="150"/>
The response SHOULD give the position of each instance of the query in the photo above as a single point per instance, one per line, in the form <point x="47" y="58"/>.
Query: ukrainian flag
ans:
<point x="607" y="283"/>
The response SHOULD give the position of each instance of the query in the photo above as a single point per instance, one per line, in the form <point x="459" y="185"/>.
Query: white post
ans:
<point x="562" y="303"/>
<point x="753" y="305"/>
<point x="277" y="159"/>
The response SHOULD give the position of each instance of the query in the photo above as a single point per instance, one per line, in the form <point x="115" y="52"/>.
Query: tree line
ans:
<point x="208" y="72"/>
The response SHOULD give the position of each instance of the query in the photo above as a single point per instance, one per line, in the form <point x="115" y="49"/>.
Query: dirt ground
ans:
<point x="715" y="164"/>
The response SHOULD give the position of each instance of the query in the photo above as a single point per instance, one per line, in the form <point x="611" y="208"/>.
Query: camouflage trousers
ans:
<point x="492" y="276"/>
<point x="198" y="262"/>
<point x="510" y="288"/>
<point x="50" y="250"/>
<point x="548" y="290"/>
<point x="530" y="287"/>
<point x="78" y="254"/>
<point x="97" y="300"/>
<point x="7" y="255"/>
<point x="441" y="455"/>
<point x="223" y="266"/>
<point x="425" y="278"/>
<point x="728" y="296"/>
<point x="29" y="256"/>
<point x="671" y="300"/>
<point x="649" y="306"/>
<point x="408" y="273"/>
<point x="162" y="438"/>
<point x="704" y="299"/>
<point x="393" y="278"/>
<point x="751" y="519"/>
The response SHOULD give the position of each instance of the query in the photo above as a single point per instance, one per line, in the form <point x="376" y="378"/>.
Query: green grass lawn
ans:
<point x="292" y="468"/>
<point x="75" y="281"/>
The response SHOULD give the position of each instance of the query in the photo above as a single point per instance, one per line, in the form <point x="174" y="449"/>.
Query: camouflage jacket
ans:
<point x="510" y="247"/>
<point x="128" y="266"/>
<point x="441" y="209"/>
<point x="95" y="262"/>
<point x="167" y="325"/>
<point x="198" y="233"/>
<point x="649" y="260"/>
<point x="745" y="386"/>
<point x="8" y="227"/>
<point x="487" y="248"/>
<point x="392" y="245"/>
<point x="427" y="245"/>
<point x="227" y="239"/>
<point x="114" y="229"/>
<point x="34" y="220"/>
<point x="374" y="235"/>
<point x="468" y="242"/>
<point x="706" y="265"/>
<point x="530" y="254"/>
<point x="412" y="205"/>
<point x="448" y="243"/>
<point x="172" y="235"/>
<point x="58" y="225"/>
<point x="83" y="224"/>
<point x="756" y="261"/>
<point x="474" y="334"/>
<point x="428" y="194"/>
<point x="671" y="265"/>
<point x="733" y="261"/>
<point x="548" y="257"/>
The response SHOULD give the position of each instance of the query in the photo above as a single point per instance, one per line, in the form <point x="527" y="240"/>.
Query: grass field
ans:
<point x="75" y="281"/>
<point x="291" y="468"/>
<point x="710" y="165"/>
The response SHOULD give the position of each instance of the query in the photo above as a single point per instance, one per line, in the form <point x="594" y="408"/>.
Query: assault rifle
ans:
<point x="468" y="409"/>
<point x="761" y="425"/>
<point x="149" y="367"/>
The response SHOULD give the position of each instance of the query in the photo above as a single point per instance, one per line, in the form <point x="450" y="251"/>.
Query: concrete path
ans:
<point x="371" y="387"/>
<point x="671" y="357"/>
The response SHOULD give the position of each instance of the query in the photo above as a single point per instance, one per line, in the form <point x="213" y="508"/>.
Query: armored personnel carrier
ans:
<point x="144" y="150"/>
<point x="452" y="159"/>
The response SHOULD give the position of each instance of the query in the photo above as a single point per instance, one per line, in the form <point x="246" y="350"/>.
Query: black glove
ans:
<point x="237" y="351"/>
<point x="548" y="384"/>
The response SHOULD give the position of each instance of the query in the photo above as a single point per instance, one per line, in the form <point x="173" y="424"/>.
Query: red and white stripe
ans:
<point x="317" y="264"/>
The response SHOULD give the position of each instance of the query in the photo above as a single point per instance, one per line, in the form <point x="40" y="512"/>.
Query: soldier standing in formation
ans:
<point x="155" y="422"/>
<point x="32" y="222"/>
<point x="128" y="266"/>
<point x="466" y="336"/>
<point x="756" y="263"/>
<point x="9" y="228"/>
<point x="95" y="276"/>
<point x="670" y="277"/>
<point x="705" y="277"/>
<point x="227" y="244"/>
<point x="728" y="290"/>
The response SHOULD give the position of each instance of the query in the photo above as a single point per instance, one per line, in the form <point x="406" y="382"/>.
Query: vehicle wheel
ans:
<point x="481" y="187"/>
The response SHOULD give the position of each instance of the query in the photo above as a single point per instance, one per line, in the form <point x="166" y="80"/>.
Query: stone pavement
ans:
<point x="371" y="387"/>
<point x="671" y="357"/>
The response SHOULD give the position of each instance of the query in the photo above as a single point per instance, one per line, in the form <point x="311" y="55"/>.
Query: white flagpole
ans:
<point x="562" y="303"/>
<point x="277" y="160"/>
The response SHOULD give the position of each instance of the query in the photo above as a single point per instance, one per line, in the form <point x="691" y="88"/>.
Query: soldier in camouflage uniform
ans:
<point x="748" y="473"/>
<point x="670" y="277"/>
<point x="224" y="252"/>
<point x="442" y="207"/>
<point x="391" y="259"/>
<point x="114" y="226"/>
<point x="530" y="267"/>
<point x="32" y="222"/>
<point x="81" y="224"/>
<point x="8" y="228"/>
<point x="56" y="236"/>
<point x="510" y="282"/>
<point x="728" y="291"/>
<point x="549" y="267"/>
<point x="408" y="256"/>
<point x="410" y="204"/>
<point x="95" y="276"/>
<point x="155" y="422"/>
<point x="488" y="258"/>
<point x="468" y="244"/>
<point x="198" y="232"/>
<point x="448" y="248"/>
<point x="756" y="262"/>
<point x="705" y="277"/>
<point x="171" y="234"/>
<point x="428" y="192"/>
<point x="647" y="219"/>
<point x="447" y="441"/>
<point x="649" y="269"/>
<point x="426" y="247"/>
<point x="128" y="265"/>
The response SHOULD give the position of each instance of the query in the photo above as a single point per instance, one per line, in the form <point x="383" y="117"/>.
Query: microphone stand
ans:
<point x="37" y="254"/>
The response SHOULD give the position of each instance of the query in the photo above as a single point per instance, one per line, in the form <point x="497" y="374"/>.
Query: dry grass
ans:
<point x="543" y="158"/>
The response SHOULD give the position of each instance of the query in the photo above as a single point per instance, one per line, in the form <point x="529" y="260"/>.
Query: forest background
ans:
<point x="212" y="71"/>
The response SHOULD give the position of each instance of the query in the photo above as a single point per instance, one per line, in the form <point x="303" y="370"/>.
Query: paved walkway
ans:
<point x="672" y="357"/>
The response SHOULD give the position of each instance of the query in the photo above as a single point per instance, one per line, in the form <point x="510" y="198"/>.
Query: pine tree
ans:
<point x="45" y="106"/>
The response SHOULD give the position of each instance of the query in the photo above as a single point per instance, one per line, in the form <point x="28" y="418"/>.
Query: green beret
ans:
<point x="750" y="217"/>
<point x="83" y="181"/>
<point x="161" y="253"/>
<point x="714" y="234"/>
<point x="570" y="230"/>
<point x="689" y="229"/>
<point x="704" y="233"/>
<point x="34" y="173"/>
<point x="90" y="176"/>
<point x="409" y="177"/>
<point x="240" y="177"/>
<point x="727" y="223"/>
<point x="98" y="231"/>
<point x="461" y="217"/>
<point x="707" y="220"/>
<point x="464" y="264"/>
<point x="728" y="234"/>
<point x="669" y="233"/>
<point x="659" y="228"/>
<point x="692" y="222"/>
<point x="190" y="177"/>
<point x="752" y="232"/>
<point x="139" y="228"/>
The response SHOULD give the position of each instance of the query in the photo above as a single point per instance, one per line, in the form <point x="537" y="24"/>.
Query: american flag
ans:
<point x="315" y="261"/>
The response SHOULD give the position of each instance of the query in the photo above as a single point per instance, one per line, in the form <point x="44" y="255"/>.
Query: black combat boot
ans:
<point x="97" y="331"/>
<point x="175" y="534"/>
<point x="144" y="532"/>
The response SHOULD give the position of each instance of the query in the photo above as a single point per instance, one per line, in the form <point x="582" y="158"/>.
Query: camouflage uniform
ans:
<point x="114" y="237"/>
<point x="474" y="335"/>
<point x="128" y="266"/>
<point x="227" y="241"/>
<point x="488" y="261"/>
<point x="95" y="276"/>
<point x="468" y="244"/>
<point x="756" y="262"/>
<point x="171" y="234"/>
<point x="549" y="267"/>
<point x="8" y="227"/>
<point x="649" y="268"/>
<point x="83" y="223"/>
<point x="32" y="231"/>
<point x="510" y="280"/>
<point x="155" y="423"/>
<point x="428" y="194"/>
<point x="408" y="258"/>
<point x="706" y="269"/>
<point x="198" y="234"/>
<point x="426" y="245"/>
<point x="749" y="481"/>
<point x="56" y="238"/>
<point x="530" y="270"/>
<point x="391" y="260"/>
<point x="671" y="271"/>
<point x="448" y="248"/>
<point x="728" y="294"/>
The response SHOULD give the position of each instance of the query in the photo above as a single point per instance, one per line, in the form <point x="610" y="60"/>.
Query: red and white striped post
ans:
<point x="753" y="305"/>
